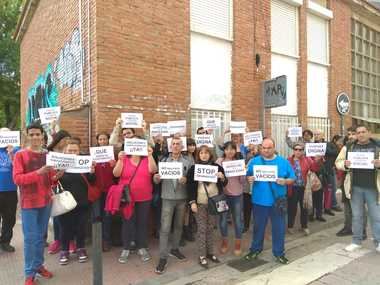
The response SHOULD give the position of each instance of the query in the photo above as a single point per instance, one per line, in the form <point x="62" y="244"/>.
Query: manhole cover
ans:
<point x="243" y="265"/>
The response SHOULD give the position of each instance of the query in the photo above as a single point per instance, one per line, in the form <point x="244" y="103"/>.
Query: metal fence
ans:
<point x="323" y="124"/>
<point x="198" y="115"/>
<point x="279" y="126"/>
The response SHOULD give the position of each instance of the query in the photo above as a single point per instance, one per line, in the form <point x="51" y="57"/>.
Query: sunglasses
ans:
<point x="298" y="149"/>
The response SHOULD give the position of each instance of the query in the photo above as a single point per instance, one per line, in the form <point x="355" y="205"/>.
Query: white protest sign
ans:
<point x="238" y="127"/>
<point x="204" y="140"/>
<point x="175" y="127"/>
<point x="234" y="168"/>
<point x="211" y="123"/>
<point x="205" y="173"/>
<point x="60" y="160"/>
<point x="83" y="164"/>
<point x="48" y="115"/>
<point x="265" y="172"/>
<point x="295" y="132"/>
<point x="102" y="153"/>
<point x="170" y="170"/>
<point x="253" y="138"/>
<point x="184" y="144"/>
<point x="361" y="160"/>
<point x="136" y="147"/>
<point x="9" y="138"/>
<point x="159" y="129"/>
<point x="132" y="120"/>
<point x="315" y="149"/>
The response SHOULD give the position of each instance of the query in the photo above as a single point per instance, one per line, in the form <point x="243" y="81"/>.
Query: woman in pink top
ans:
<point x="136" y="171"/>
<point x="234" y="194"/>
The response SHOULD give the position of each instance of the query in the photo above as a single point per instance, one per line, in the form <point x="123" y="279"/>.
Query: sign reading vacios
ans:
<point x="265" y="172"/>
<point x="102" y="153"/>
<point x="60" y="161"/>
<point x="170" y="170"/>
<point x="9" y="138"/>
<point x="205" y="173"/>
<point x="275" y="92"/>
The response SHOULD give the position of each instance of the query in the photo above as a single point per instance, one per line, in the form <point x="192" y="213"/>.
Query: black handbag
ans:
<point x="126" y="194"/>
<point x="217" y="204"/>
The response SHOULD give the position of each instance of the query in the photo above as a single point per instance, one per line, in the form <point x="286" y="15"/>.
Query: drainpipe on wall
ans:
<point x="89" y="100"/>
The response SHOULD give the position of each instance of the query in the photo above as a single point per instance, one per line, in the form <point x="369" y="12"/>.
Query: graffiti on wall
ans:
<point x="64" y="72"/>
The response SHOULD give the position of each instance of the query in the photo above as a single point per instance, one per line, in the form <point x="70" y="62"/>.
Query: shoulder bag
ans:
<point x="217" y="204"/>
<point x="126" y="195"/>
<point x="62" y="202"/>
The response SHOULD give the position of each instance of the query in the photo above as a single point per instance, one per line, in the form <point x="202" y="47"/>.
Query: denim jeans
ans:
<point x="331" y="179"/>
<point x="34" y="226"/>
<point x="359" y="197"/>
<point x="235" y="204"/>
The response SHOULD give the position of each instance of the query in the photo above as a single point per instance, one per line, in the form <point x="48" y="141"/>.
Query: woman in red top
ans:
<point x="136" y="171"/>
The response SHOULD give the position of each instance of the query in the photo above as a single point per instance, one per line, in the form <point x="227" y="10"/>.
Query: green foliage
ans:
<point x="9" y="65"/>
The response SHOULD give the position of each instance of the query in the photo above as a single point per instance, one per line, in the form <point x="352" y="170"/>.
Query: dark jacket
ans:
<point x="75" y="183"/>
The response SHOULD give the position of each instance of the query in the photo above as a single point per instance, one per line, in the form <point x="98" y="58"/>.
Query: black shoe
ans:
<point x="182" y="242"/>
<point x="321" y="219"/>
<point x="213" y="258"/>
<point x="245" y="229"/>
<point x="203" y="262"/>
<point x="188" y="234"/>
<point x="329" y="212"/>
<point x="337" y="209"/>
<point x="311" y="218"/>
<point x="252" y="255"/>
<point x="7" y="247"/>
<point x="133" y="247"/>
<point x="161" y="267"/>
<point x="176" y="253"/>
<point x="282" y="259"/>
<point x="364" y="235"/>
<point x="344" y="232"/>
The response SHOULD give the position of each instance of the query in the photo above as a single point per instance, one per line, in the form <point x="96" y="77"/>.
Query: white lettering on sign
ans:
<point x="362" y="160"/>
<point x="9" y="138"/>
<point x="176" y="127"/>
<point x="295" y="132"/>
<point x="204" y="140"/>
<point x="315" y="149"/>
<point x="265" y="172"/>
<point x="183" y="140"/>
<point x="60" y="161"/>
<point x="136" y="147"/>
<point x="253" y="138"/>
<point x="211" y="123"/>
<point x="48" y="115"/>
<point x="83" y="164"/>
<point x="234" y="168"/>
<point x="170" y="170"/>
<point x="102" y="153"/>
<point x="159" y="129"/>
<point x="238" y="127"/>
<point x="205" y="173"/>
<point x="132" y="120"/>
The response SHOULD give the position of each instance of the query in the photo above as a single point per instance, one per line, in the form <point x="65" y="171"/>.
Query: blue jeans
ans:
<point x="331" y="179"/>
<point x="34" y="226"/>
<point x="235" y="204"/>
<point x="260" y="220"/>
<point x="359" y="197"/>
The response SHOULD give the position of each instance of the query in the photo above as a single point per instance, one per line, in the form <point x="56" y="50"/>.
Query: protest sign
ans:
<point x="102" y="153"/>
<point x="83" y="164"/>
<point x="60" y="160"/>
<point x="48" y="115"/>
<point x="184" y="144"/>
<point x="132" y="120"/>
<point x="159" y="129"/>
<point x="136" y="147"/>
<point x="204" y="140"/>
<point x="9" y="138"/>
<point x="265" y="172"/>
<point x="234" y="168"/>
<point x="238" y="127"/>
<point x="175" y="127"/>
<point x="170" y="170"/>
<point x="205" y="173"/>
<point x="253" y="138"/>
<point x="295" y="132"/>
<point x="362" y="160"/>
<point x="211" y="123"/>
<point x="315" y="149"/>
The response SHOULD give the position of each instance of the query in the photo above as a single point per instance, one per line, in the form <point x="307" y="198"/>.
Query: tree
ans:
<point x="9" y="65"/>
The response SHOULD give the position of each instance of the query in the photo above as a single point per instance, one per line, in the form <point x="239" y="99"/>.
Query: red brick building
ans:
<point x="184" y="60"/>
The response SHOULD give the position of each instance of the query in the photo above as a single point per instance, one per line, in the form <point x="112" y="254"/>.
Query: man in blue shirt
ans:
<point x="264" y="195"/>
<point x="8" y="196"/>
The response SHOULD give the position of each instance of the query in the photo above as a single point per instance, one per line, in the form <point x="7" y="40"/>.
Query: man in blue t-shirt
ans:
<point x="8" y="196"/>
<point x="264" y="195"/>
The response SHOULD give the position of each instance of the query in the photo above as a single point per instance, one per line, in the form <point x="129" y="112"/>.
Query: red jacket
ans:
<point x="104" y="176"/>
<point x="306" y="163"/>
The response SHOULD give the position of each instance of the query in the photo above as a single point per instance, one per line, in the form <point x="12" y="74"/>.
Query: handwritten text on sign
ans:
<point x="211" y="123"/>
<point x="205" y="173"/>
<point x="60" y="160"/>
<point x="102" y="153"/>
<point x="9" y="138"/>
<point x="159" y="129"/>
<point x="132" y="120"/>
<point x="238" y="127"/>
<point x="253" y="138"/>
<point x="234" y="168"/>
<point x="136" y="147"/>
<point x="183" y="140"/>
<point x="83" y="164"/>
<point x="204" y="140"/>
<point x="315" y="149"/>
<point x="170" y="170"/>
<point x="265" y="172"/>
<point x="361" y="160"/>
<point x="48" y="115"/>
<point x="177" y="127"/>
<point x="295" y="132"/>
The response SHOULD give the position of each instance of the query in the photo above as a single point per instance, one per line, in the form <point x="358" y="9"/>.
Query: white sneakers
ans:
<point x="353" y="247"/>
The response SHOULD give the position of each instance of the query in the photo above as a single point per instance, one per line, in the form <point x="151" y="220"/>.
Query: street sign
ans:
<point x="275" y="92"/>
<point x="343" y="103"/>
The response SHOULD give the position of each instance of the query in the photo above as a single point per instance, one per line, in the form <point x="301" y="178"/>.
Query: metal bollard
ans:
<point x="97" y="258"/>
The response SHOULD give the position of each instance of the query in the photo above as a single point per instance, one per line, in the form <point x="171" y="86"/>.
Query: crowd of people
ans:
<point x="132" y="189"/>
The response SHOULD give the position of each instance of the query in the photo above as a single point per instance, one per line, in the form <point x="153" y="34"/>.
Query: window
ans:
<point x="317" y="90"/>
<point x="198" y="115"/>
<point x="317" y="39"/>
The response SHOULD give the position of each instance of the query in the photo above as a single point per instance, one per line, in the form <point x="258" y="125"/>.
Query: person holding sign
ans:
<point x="268" y="193"/>
<point x="234" y="194"/>
<point x="363" y="187"/>
<point x="198" y="199"/>
<point x="174" y="197"/>
<point x="35" y="181"/>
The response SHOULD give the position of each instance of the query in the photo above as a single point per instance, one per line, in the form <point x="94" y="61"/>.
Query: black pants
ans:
<point x="136" y="227"/>
<point x="293" y="201"/>
<point x="73" y="224"/>
<point x="318" y="202"/>
<point x="247" y="205"/>
<point x="8" y="206"/>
